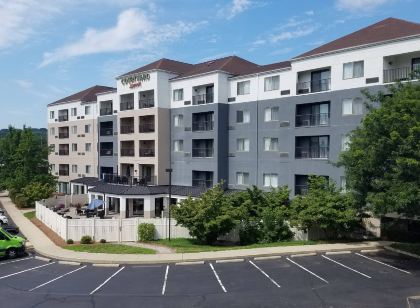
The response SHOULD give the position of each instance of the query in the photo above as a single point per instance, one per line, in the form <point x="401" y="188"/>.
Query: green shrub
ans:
<point x="102" y="241"/>
<point x="21" y="201"/>
<point x="86" y="239"/>
<point x="70" y="241"/>
<point x="146" y="232"/>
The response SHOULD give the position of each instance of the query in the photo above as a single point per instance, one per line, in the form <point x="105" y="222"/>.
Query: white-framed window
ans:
<point x="352" y="106"/>
<point x="242" y="178"/>
<point x="178" y="95"/>
<point x="88" y="147"/>
<point x="52" y="168"/>
<point x="52" y="131"/>
<point x="88" y="168"/>
<point x="243" y="116"/>
<point x="73" y="112"/>
<point x="87" y="110"/>
<point x="52" y="114"/>
<point x="353" y="70"/>
<point x="242" y="145"/>
<point x="343" y="183"/>
<point x="74" y="129"/>
<point x="74" y="147"/>
<point x="270" y="180"/>
<point x="271" y="114"/>
<point x="87" y="128"/>
<point x="345" y="141"/>
<point x="243" y="87"/>
<point x="271" y="83"/>
<point x="271" y="144"/>
<point x="74" y="168"/>
<point x="178" y="120"/>
<point x="178" y="145"/>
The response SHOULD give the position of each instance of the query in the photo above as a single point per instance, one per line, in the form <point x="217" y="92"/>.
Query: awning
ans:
<point x="95" y="203"/>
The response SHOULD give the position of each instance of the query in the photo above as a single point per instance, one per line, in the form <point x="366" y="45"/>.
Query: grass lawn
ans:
<point x="109" y="248"/>
<point x="30" y="214"/>
<point x="184" y="245"/>
<point x="408" y="247"/>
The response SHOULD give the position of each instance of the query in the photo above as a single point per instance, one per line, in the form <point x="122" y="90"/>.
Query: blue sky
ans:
<point x="52" y="48"/>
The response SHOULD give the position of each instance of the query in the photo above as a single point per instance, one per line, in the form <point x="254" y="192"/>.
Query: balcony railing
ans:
<point x="301" y="189"/>
<point x="105" y="111"/>
<point x="63" y="172"/>
<point x="202" y="152"/>
<point x="126" y="106"/>
<point x="313" y="119"/>
<point x="106" y="152"/>
<point x="129" y="180"/>
<point x="63" y="135"/>
<point x="202" y="183"/>
<point x="146" y="103"/>
<point x="63" y="118"/>
<point x="312" y="152"/>
<point x="202" y="125"/>
<point x="63" y="152"/>
<point x="313" y="86"/>
<point x="202" y="99"/>
<point x="106" y="131"/>
<point x="147" y="127"/>
<point x="127" y="152"/>
<point x="147" y="152"/>
<point x="126" y="129"/>
<point x="402" y="74"/>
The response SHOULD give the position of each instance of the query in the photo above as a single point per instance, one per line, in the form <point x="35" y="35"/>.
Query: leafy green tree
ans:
<point x="37" y="191"/>
<point x="383" y="160"/>
<point x="325" y="207"/>
<point x="207" y="217"/>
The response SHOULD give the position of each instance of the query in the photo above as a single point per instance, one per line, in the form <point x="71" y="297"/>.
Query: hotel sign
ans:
<point x="135" y="81"/>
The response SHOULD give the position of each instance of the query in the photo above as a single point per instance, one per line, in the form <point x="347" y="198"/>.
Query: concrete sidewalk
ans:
<point x="44" y="246"/>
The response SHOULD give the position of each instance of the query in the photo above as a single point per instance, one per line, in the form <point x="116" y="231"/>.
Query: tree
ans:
<point x="382" y="163"/>
<point x="207" y="217"/>
<point x="324" y="207"/>
<point x="37" y="191"/>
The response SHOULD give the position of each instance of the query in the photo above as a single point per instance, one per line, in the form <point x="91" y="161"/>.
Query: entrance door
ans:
<point x="319" y="80"/>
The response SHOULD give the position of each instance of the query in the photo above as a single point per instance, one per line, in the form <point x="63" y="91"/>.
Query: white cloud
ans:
<point x="24" y="84"/>
<point x="134" y="30"/>
<point x="310" y="13"/>
<point x="360" y="5"/>
<point x="234" y="8"/>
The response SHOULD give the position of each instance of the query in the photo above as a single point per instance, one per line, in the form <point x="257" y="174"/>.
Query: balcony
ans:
<point x="314" y="86"/>
<point x="313" y="147"/>
<point x="127" y="151"/>
<point x="200" y="126"/>
<point x="63" y="151"/>
<point x="202" y="99"/>
<point x="106" y="149"/>
<point x="147" y="152"/>
<point x="126" y="129"/>
<point x="147" y="127"/>
<point x="202" y="179"/>
<point x="129" y="180"/>
<point x="63" y="118"/>
<point x="106" y="152"/>
<point x="105" y="111"/>
<point x="318" y="119"/>
<point x="146" y="99"/>
<point x="106" y="128"/>
<point x="63" y="170"/>
<point x="402" y="74"/>
<point x="301" y="189"/>
<point x="63" y="135"/>
<point x="202" y="152"/>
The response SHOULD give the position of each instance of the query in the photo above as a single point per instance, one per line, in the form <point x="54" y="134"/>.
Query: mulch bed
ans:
<point x="48" y="232"/>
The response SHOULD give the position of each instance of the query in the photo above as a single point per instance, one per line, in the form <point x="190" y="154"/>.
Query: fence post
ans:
<point x="66" y="230"/>
<point x="119" y="230"/>
<point x="94" y="228"/>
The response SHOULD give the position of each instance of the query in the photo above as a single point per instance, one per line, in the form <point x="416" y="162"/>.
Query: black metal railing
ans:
<point x="63" y="135"/>
<point x="146" y="127"/>
<point x="106" y="152"/>
<point x="313" y="86"/>
<point x="62" y="118"/>
<point x="312" y="119"/>
<point x="105" y="111"/>
<point x="402" y="74"/>
<point x="301" y="189"/>
<point x="202" y="125"/>
<point x="147" y="152"/>
<point x="312" y="152"/>
<point x="146" y="103"/>
<point x="127" y="129"/>
<point x="127" y="152"/>
<point x="126" y="106"/>
<point x="106" y="131"/>
<point x="202" y="183"/>
<point x="129" y="180"/>
<point x="63" y="152"/>
<point x="63" y="172"/>
<point x="202" y="99"/>
<point x="202" y="152"/>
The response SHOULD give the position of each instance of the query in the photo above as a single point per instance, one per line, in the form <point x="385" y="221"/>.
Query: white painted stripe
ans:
<point x="106" y="281"/>
<point x="398" y="269"/>
<point x="165" y="280"/>
<point x="14" y="261"/>
<point x="345" y="266"/>
<point x="339" y="252"/>
<point x="27" y="270"/>
<point x="52" y="280"/>
<point x="305" y="269"/>
<point x="217" y="277"/>
<point x="265" y="274"/>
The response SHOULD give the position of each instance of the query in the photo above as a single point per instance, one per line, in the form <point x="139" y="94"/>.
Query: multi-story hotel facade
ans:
<point x="232" y="120"/>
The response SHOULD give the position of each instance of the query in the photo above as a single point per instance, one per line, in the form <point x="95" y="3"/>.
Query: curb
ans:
<point x="69" y="263"/>
<point x="190" y="263"/>
<point x="310" y="254"/>
<point x="342" y="252"/>
<point x="105" y="265"/>
<point x="267" y="258"/>
<point x="402" y="252"/>
<point x="230" y="260"/>
<point x="42" y="259"/>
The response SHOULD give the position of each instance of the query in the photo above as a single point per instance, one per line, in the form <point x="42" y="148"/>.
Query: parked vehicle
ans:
<point x="3" y="220"/>
<point x="12" y="230"/>
<point x="11" y="246"/>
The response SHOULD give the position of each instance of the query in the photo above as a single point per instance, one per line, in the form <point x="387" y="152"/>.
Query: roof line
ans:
<point x="262" y="73"/>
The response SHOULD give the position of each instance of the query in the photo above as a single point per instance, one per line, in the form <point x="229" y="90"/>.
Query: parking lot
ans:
<point x="374" y="279"/>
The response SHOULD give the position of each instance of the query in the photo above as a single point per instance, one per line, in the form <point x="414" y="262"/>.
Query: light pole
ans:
<point x="169" y="170"/>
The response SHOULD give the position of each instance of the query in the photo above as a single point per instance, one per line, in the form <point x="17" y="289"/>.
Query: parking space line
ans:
<point x="165" y="280"/>
<point x="52" y="280"/>
<point x="398" y="269"/>
<point x="265" y="274"/>
<point x="14" y="261"/>
<point x="27" y="270"/>
<point x="305" y="269"/>
<point x="106" y="281"/>
<point x="345" y="266"/>
<point x="218" y="278"/>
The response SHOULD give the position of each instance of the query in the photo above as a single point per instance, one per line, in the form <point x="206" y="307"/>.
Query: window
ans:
<point x="178" y="145"/>
<point x="243" y="116"/>
<point x="74" y="130"/>
<point x="51" y="114"/>
<point x="271" y="114"/>
<point x="87" y="110"/>
<point x="52" y="131"/>
<point x="242" y="178"/>
<point x="242" y="145"/>
<point x="88" y="167"/>
<point x="271" y="83"/>
<point x="271" y="144"/>
<point x="88" y="147"/>
<point x="343" y="183"/>
<point x="178" y="120"/>
<point x="74" y="112"/>
<point x="74" y="147"/>
<point x="353" y="70"/>
<point x="74" y="168"/>
<point x="178" y="95"/>
<point x="345" y="141"/>
<point x="352" y="106"/>
<point x="87" y="128"/>
<point x="243" y="87"/>
<point x="270" y="179"/>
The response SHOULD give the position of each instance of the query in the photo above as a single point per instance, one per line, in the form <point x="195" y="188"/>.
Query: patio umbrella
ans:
<point x="95" y="203"/>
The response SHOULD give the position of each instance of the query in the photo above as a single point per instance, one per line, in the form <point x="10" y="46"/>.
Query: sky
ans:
<point x="50" y="49"/>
